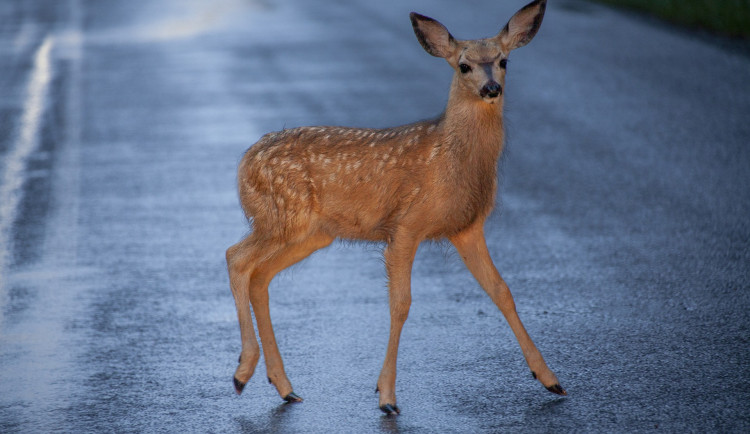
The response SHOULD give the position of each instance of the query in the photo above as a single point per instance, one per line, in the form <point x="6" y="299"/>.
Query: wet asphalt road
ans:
<point x="623" y="229"/>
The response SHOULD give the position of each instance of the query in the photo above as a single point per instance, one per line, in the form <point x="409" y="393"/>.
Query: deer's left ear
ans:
<point x="523" y="25"/>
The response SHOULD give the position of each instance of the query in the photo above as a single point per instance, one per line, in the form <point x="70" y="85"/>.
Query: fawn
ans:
<point x="304" y="187"/>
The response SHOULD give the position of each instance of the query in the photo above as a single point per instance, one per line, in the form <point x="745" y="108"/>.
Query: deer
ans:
<point x="302" y="188"/>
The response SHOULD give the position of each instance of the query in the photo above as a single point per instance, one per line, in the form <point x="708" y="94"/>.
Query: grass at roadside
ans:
<point x="726" y="17"/>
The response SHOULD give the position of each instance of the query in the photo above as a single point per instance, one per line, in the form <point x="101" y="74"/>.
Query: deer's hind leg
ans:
<point x="258" y="292"/>
<point x="241" y="260"/>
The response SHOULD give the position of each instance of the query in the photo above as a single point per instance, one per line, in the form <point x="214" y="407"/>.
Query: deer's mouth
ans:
<point x="491" y="99"/>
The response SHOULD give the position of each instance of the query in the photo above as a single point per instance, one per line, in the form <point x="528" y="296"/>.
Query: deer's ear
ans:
<point x="523" y="25"/>
<point x="433" y="36"/>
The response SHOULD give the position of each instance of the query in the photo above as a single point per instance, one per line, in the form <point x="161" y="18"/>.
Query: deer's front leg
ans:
<point x="472" y="247"/>
<point x="399" y="256"/>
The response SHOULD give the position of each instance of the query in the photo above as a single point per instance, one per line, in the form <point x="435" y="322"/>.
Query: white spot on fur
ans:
<point x="434" y="153"/>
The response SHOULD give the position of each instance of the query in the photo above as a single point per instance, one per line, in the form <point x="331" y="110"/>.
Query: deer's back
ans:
<point x="357" y="183"/>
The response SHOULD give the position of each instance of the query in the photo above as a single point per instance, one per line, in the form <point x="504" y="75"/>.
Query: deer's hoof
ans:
<point x="292" y="397"/>
<point x="238" y="385"/>
<point x="555" y="388"/>
<point x="390" y="409"/>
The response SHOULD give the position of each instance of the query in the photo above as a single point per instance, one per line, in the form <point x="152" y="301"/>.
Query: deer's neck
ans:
<point x="473" y="128"/>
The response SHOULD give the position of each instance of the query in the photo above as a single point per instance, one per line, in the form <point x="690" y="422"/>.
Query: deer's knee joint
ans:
<point x="235" y="262"/>
<point x="400" y="305"/>
<point x="399" y="316"/>
<point x="505" y="302"/>
<point x="230" y="254"/>
<point x="507" y="307"/>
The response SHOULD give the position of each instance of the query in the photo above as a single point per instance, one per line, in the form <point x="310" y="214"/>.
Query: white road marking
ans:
<point x="11" y="188"/>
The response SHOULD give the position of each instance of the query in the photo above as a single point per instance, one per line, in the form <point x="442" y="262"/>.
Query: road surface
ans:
<point x="622" y="225"/>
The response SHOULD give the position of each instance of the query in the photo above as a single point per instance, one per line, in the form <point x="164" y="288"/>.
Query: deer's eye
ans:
<point x="464" y="68"/>
<point x="503" y="63"/>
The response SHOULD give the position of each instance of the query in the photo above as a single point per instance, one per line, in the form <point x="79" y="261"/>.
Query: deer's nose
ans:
<point x="492" y="90"/>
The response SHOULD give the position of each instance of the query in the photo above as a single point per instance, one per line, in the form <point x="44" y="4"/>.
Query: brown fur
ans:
<point x="304" y="187"/>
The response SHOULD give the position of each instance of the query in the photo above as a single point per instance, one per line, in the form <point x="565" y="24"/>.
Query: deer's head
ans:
<point x="480" y="64"/>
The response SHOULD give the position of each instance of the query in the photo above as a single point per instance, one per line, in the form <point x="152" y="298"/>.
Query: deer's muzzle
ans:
<point x="491" y="90"/>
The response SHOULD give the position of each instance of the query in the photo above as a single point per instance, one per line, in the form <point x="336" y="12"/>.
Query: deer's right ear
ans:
<point x="433" y="36"/>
